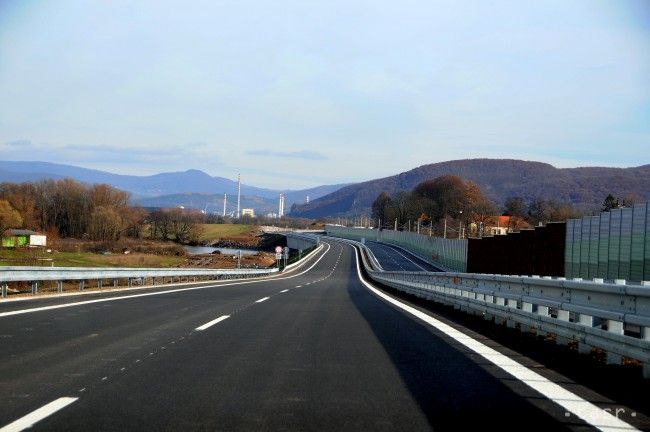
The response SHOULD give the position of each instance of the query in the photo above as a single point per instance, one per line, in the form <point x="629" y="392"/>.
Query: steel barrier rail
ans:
<point x="614" y="317"/>
<point x="61" y="274"/>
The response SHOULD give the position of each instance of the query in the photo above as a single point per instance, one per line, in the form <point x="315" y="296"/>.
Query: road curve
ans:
<point x="311" y="352"/>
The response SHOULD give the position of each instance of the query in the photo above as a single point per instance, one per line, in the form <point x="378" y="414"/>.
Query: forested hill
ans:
<point x="498" y="179"/>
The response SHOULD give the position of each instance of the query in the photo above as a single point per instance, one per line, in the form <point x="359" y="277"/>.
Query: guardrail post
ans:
<point x="587" y="321"/>
<point x="99" y="284"/>
<point x="562" y="315"/>
<point x="81" y="285"/>
<point x="34" y="287"/>
<point x="4" y="289"/>
<point x="129" y="282"/>
<point x="615" y="327"/>
<point x="542" y="311"/>
<point x="114" y="283"/>
<point x="59" y="286"/>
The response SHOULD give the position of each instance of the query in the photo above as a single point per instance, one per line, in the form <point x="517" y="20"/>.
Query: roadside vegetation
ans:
<point x="447" y="204"/>
<point x="95" y="225"/>
<point x="39" y="257"/>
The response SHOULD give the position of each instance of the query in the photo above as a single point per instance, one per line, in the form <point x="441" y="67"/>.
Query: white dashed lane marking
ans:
<point x="213" y="322"/>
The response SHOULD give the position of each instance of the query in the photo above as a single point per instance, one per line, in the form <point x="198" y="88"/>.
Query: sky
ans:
<point x="296" y="94"/>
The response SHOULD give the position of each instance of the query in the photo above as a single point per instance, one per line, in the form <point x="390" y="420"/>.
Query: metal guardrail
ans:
<point x="614" y="317"/>
<point x="34" y="275"/>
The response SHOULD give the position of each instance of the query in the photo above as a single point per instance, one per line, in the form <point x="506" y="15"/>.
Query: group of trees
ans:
<point x="539" y="210"/>
<point x="447" y="203"/>
<point x="434" y="201"/>
<point x="71" y="209"/>
<point x="176" y="224"/>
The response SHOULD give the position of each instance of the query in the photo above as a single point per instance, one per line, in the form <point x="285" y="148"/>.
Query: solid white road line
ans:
<point x="590" y="413"/>
<point x="35" y="416"/>
<point x="125" y="297"/>
<point x="409" y="259"/>
<point x="262" y="299"/>
<point x="213" y="322"/>
<point x="284" y="290"/>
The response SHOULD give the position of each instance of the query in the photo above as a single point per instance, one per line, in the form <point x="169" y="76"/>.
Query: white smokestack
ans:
<point x="225" y="199"/>
<point x="281" y="206"/>
<point x="238" y="194"/>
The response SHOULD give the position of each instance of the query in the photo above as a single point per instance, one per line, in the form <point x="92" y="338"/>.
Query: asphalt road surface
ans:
<point x="392" y="258"/>
<point x="316" y="350"/>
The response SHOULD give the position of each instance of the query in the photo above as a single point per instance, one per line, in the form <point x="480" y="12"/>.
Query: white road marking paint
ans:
<point x="122" y="369"/>
<point x="571" y="402"/>
<point x="284" y="290"/>
<point x="34" y="417"/>
<point x="137" y="361"/>
<point x="298" y="286"/>
<point x="104" y="379"/>
<point x="213" y="322"/>
<point x="82" y="390"/>
<point x="262" y="300"/>
<point x="409" y="259"/>
<point x="126" y="297"/>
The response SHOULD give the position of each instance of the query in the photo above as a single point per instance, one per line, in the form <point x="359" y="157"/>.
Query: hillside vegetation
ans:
<point x="499" y="179"/>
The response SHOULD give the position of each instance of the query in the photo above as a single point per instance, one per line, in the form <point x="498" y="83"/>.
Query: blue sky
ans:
<point x="300" y="93"/>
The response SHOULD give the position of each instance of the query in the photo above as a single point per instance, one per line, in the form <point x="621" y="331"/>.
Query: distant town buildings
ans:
<point x="248" y="212"/>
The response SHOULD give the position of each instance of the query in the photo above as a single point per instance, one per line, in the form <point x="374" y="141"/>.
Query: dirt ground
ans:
<point x="217" y="260"/>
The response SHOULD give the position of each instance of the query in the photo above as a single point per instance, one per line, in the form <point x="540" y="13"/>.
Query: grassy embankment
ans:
<point x="211" y="232"/>
<point x="70" y="253"/>
<point x="39" y="257"/>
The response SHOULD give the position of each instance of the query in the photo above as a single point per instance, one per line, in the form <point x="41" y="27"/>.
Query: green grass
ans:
<point x="16" y="257"/>
<point x="224" y="231"/>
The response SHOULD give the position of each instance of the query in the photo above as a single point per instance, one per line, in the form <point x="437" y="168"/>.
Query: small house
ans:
<point x="23" y="238"/>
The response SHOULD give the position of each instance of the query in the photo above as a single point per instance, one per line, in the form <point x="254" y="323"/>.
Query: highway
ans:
<point x="392" y="258"/>
<point x="312" y="350"/>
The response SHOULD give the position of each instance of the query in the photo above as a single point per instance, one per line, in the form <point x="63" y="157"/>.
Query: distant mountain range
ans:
<point x="498" y="179"/>
<point x="165" y="189"/>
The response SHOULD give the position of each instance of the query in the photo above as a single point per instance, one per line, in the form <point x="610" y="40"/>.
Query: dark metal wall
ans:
<point x="538" y="251"/>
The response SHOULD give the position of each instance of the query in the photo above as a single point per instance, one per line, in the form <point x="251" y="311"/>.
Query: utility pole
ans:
<point x="395" y="224"/>
<point x="444" y="234"/>
<point x="460" y="225"/>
